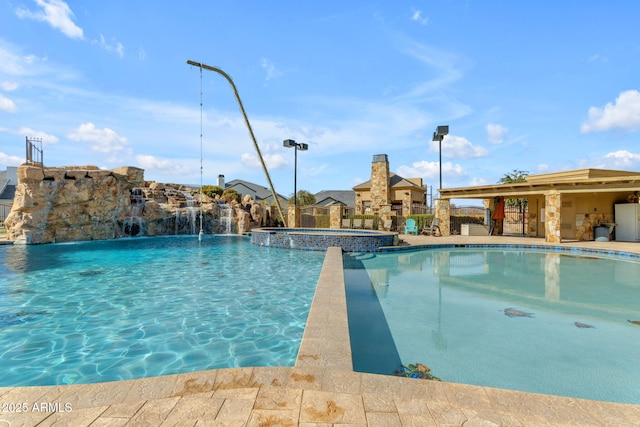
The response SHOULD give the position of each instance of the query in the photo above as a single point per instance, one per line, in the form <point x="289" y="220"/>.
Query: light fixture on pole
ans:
<point x="290" y="143"/>
<point x="438" y="135"/>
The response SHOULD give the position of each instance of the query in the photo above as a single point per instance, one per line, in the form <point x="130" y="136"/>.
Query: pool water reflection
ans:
<point x="539" y="321"/>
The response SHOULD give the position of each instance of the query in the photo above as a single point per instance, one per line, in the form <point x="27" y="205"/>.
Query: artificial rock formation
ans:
<point x="76" y="203"/>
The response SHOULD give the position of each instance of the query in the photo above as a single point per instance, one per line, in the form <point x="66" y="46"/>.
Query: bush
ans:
<point x="230" y="195"/>
<point x="212" y="191"/>
<point x="323" y="221"/>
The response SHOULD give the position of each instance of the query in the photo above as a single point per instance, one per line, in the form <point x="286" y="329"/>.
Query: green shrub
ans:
<point x="212" y="190"/>
<point x="323" y="221"/>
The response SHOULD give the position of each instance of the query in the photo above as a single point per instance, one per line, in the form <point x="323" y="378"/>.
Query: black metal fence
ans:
<point x="5" y="208"/>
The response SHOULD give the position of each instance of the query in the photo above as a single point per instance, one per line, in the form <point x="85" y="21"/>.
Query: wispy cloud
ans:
<point x="161" y="165"/>
<point x="47" y="138"/>
<point x="8" y="160"/>
<point x="112" y="45"/>
<point x="429" y="171"/>
<point x="418" y="17"/>
<point x="496" y="133"/>
<point x="623" y="114"/>
<point x="101" y="140"/>
<point x="56" y="13"/>
<point x="270" y="68"/>
<point x="8" y="86"/>
<point x="458" y="147"/>
<point x="7" y="105"/>
<point x="598" y="58"/>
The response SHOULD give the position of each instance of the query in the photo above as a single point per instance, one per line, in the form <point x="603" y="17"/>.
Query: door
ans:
<point x="568" y="218"/>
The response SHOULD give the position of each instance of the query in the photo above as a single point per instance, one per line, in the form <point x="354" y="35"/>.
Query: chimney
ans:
<point x="380" y="178"/>
<point x="221" y="181"/>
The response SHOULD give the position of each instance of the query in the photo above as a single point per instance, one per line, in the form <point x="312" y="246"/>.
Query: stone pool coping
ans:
<point x="320" y="390"/>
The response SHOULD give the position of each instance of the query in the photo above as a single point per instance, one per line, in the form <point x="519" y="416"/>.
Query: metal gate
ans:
<point x="516" y="220"/>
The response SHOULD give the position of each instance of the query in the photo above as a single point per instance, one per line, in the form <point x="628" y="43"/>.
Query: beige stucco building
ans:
<point x="563" y="205"/>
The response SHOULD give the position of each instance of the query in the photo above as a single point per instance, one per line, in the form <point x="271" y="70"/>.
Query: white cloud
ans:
<point x="110" y="46"/>
<point x="270" y="68"/>
<point x="8" y="160"/>
<point x="273" y="161"/>
<point x="598" y="58"/>
<point x="15" y="63"/>
<point x="142" y="55"/>
<point x="623" y="115"/>
<point x="496" y="133"/>
<point x="102" y="140"/>
<point x="57" y="14"/>
<point x="9" y="86"/>
<point x="477" y="182"/>
<point x="622" y="159"/>
<point x="542" y="168"/>
<point x="47" y="139"/>
<point x="430" y="170"/>
<point x="458" y="147"/>
<point x="7" y="105"/>
<point x="157" y="164"/>
<point x="419" y="18"/>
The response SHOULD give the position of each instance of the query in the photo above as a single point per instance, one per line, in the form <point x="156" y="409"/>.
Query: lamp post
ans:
<point x="438" y="135"/>
<point x="290" y="143"/>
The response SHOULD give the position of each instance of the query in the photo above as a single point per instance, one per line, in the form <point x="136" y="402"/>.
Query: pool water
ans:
<point x="139" y="307"/>
<point x="549" y="322"/>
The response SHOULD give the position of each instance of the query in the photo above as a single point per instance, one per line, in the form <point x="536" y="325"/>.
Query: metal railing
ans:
<point x="34" y="151"/>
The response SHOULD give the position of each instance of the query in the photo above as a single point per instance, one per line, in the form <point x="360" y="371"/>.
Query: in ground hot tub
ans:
<point x="319" y="239"/>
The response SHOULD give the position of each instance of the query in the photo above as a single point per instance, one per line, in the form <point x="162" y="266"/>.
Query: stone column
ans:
<point x="385" y="215"/>
<point x="293" y="220"/>
<point x="490" y="205"/>
<point x="552" y="205"/>
<point x="406" y="204"/>
<point x="359" y="205"/>
<point x="442" y="207"/>
<point x="380" y="177"/>
<point x="336" y="212"/>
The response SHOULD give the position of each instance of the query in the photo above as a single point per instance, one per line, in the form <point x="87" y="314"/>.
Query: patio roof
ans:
<point x="574" y="181"/>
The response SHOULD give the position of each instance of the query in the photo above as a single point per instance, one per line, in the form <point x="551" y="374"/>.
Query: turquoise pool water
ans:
<point x="139" y="307"/>
<point x="551" y="322"/>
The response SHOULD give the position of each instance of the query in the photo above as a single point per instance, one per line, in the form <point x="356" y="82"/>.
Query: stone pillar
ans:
<point x="336" y="212"/>
<point x="488" y="204"/>
<point x="552" y="205"/>
<point x="380" y="178"/>
<point x="406" y="204"/>
<point x="442" y="207"/>
<point x="359" y="205"/>
<point x="385" y="215"/>
<point x="293" y="220"/>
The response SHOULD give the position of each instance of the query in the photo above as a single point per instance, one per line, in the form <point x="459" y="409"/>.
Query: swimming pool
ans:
<point x="545" y="321"/>
<point x="138" y="307"/>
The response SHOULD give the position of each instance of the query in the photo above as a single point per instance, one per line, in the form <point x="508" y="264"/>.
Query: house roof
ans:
<point x="261" y="193"/>
<point x="330" y="197"/>
<point x="395" y="181"/>
<point x="7" y="191"/>
<point x="574" y="181"/>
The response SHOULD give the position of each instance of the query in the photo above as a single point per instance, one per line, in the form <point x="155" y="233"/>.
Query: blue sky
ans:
<point x="536" y="86"/>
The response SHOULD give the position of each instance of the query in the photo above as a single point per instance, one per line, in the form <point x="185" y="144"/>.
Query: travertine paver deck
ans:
<point x="321" y="390"/>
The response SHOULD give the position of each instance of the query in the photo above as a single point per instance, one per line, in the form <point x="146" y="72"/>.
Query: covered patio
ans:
<point x="562" y="205"/>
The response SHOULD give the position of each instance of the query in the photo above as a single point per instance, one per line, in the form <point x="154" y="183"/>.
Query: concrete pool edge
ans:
<point x="321" y="389"/>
